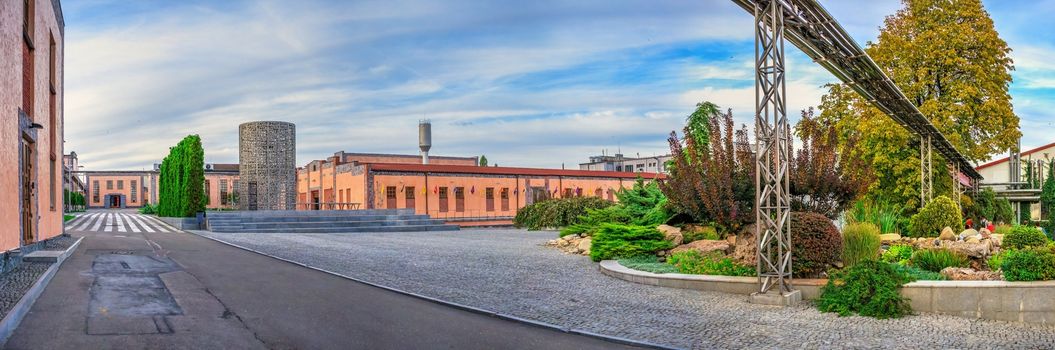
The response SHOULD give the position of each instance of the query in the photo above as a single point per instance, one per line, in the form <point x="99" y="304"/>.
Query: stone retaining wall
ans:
<point x="1029" y="302"/>
<point x="181" y="223"/>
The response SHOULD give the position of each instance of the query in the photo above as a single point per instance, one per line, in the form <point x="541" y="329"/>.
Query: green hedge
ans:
<point x="181" y="185"/>
<point x="1033" y="264"/>
<point x="940" y="213"/>
<point x="1024" y="237"/>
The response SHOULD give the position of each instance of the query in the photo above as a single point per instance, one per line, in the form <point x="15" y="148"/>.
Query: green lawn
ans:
<point x="67" y="217"/>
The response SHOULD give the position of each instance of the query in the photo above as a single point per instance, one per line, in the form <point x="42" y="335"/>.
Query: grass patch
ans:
<point x="67" y="217"/>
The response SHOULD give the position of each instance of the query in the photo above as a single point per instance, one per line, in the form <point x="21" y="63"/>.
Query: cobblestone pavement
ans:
<point x="509" y="271"/>
<point x="15" y="283"/>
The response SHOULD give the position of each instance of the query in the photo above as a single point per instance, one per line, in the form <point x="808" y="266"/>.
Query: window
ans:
<point x="568" y="193"/>
<point x="52" y="125"/>
<point x="340" y="195"/>
<point x="489" y="196"/>
<point x="610" y="195"/>
<point x="223" y="191"/>
<point x="597" y="192"/>
<point x="95" y="191"/>
<point x="409" y="197"/>
<point x="132" y="186"/>
<point x="28" y="16"/>
<point x="208" y="193"/>
<point x="120" y="184"/>
<point x="109" y="184"/>
<point x="459" y="199"/>
<point x="505" y="199"/>
<point x="443" y="199"/>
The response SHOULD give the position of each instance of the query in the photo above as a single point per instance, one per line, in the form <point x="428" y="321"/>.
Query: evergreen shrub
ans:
<point x="1024" y="236"/>
<point x="1031" y="264"/>
<point x="556" y="213"/>
<point x="939" y="213"/>
<point x="869" y="288"/>
<point x="615" y="241"/>
<point x="712" y="263"/>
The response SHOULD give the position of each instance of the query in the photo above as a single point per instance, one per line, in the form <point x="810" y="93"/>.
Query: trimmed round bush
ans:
<point x="1033" y="264"/>
<point x="940" y="213"/>
<point x="935" y="260"/>
<point x="1024" y="237"/>
<point x="860" y="242"/>
<point x="816" y="244"/>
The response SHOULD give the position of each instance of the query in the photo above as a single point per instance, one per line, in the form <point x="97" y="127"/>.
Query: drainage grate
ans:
<point x="123" y="252"/>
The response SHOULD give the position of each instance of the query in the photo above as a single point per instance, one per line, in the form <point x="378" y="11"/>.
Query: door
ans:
<point x="314" y="200"/>
<point x="443" y="199"/>
<point x="538" y="194"/>
<point x="409" y="197"/>
<point x="459" y="199"/>
<point x="28" y="214"/>
<point x="489" y="196"/>
<point x="390" y="197"/>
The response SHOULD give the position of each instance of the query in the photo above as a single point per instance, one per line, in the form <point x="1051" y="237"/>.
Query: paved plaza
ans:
<point x="508" y="271"/>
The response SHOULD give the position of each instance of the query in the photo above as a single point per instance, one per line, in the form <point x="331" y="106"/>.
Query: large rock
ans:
<point x="969" y="233"/>
<point x="584" y="244"/>
<point x="704" y="246"/>
<point x="969" y="274"/>
<point x="997" y="239"/>
<point x="889" y="237"/>
<point x="985" y="233"/>
<point x="972" y="250"/>
<point x="745" y="251"/>
<point x="947" y="234"/>
<point x="672" y="234"/>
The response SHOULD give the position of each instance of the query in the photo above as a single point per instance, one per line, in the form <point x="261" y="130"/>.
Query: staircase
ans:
<point x="324" y="221"/>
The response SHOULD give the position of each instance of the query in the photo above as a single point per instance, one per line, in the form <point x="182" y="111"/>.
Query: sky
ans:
<point x="526" y="83"/>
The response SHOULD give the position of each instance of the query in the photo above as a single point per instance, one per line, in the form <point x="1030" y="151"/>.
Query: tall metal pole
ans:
<point x="772" y="199"/>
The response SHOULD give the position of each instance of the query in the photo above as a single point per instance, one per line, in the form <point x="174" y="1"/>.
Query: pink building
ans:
<point x="134" y="188"/>
<point x="461" y="192"/>
<point x="31" y="70"/>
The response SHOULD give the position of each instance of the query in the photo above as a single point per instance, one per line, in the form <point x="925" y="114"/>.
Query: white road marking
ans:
<point x="131" y="219"/>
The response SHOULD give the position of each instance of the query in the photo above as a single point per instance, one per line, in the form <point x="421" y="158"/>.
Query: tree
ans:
<point x="818" y="183"/>
<point x="716" y="183"/>
<point x="483" y="160"/>
<point x="181" y="186"/>
<point x="948" y="59"/>
<point x="697" y="124"/>
<point x="1047" y="198"/>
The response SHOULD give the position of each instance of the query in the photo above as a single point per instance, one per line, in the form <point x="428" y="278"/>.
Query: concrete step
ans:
<point x="407" y="228"/>
<point x="335" y="218"/>
<point x="308" y="213"/>
<point x="324" y="224"/>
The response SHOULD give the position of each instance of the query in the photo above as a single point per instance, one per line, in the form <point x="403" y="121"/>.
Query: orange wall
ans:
<point x="49" y="220"/>
<point x="214" y="180"/>
<point x="120" y="185"/>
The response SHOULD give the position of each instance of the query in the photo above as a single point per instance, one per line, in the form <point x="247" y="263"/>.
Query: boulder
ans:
<point x="745" y="251"/>
<point x="968" y="233"/>
<point x="997" y="239"/>
<point x="889" y="237"/>
<point x="584" y="244"/>
<point x="947" y="234"/>
<point x="973" y="239"/>
<point x="731" y="239"/>
<point x="972" y="250"/>
<point x="969" y="274"/>
<point x="705" y="246"/>
<point x="671" y="233"/>
<point x="985" y="233"/>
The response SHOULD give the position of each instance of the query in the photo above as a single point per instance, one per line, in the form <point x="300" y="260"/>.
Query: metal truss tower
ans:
<point x="926" y="173"/>
<point x="772" y="198"/>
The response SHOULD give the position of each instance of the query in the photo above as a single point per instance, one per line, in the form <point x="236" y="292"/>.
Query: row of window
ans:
<point x="391" y="198"/>
<point x="133" y="187"/>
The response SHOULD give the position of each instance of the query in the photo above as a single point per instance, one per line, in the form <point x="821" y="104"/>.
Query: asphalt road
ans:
<point x="134" y="290"/>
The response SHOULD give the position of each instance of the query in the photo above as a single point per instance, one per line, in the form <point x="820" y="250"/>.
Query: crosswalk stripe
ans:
<point x="143" y="222"/>
<point x="134" y="222"/>
<point x="87" y="222"/>
<point x="127" y="218"/>
<point x="161" y="225"/>
<point x="99" y="223"/>
<point x="120" y="222"/>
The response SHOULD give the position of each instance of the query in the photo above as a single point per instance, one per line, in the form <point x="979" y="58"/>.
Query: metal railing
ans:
<point x="469" y="215"/>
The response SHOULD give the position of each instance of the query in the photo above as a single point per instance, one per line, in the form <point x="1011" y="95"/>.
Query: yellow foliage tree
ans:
<point x="948" y="59"/>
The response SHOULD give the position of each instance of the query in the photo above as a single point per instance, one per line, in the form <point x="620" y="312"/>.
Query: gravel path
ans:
<point x="509" y="271"/>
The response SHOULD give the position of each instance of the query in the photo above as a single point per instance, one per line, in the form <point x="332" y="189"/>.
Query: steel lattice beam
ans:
<point x="926" y="174"/>
<point x="772" y="199"/>
<point x="812" y="29"/>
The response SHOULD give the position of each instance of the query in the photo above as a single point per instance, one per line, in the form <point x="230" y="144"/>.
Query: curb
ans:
<point x="19" y="311"/>
<point x="613" y="339"/>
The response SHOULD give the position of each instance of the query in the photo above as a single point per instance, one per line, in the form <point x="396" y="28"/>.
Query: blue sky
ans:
<point x="536" y="83"/>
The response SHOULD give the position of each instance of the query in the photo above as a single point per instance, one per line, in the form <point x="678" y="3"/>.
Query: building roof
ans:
<point x="465" y="169"/>
<point x="1006" y="159"/>
<point x="224" y="167"/>
<point x="346" y="154"/>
